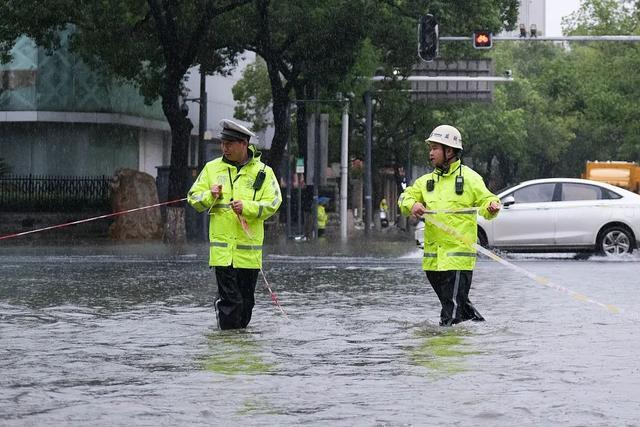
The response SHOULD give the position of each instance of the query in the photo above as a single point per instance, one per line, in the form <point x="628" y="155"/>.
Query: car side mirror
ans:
<point x="508" y="201"/>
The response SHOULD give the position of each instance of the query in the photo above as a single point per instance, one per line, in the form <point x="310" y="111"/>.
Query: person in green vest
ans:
<point x="322" y="215"/>
<point x="384" y="213"/>
<point x="239" y="192"/>
<point x="453" y="195"/>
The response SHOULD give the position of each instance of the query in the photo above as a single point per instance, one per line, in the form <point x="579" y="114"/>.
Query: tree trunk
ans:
<point x="180" y="133"/>
<point x="280" y="118"/>
<point x="178" y="173"/>
<point x="282" y="131"/>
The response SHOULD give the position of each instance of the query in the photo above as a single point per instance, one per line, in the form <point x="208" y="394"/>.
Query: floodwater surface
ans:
<point x="95" y="335"/>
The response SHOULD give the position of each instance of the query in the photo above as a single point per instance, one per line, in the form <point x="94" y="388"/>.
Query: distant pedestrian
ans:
<point x="240" y="193"/>
<point x="322" y="215"/>
<point x="447" y="193"/>
<point x="384" y="213"/>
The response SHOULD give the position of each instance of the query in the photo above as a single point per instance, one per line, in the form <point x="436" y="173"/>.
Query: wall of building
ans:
<point x="68" y="149"/>
<point x="154" y="151"/>
<point x="59" y="117"/>
<point x="37" y="81"/>
<point x="531" y="12"/>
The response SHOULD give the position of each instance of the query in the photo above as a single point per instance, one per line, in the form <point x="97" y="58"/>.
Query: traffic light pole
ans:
<point x="445" y="79"/>
<point x="549" y="39"/>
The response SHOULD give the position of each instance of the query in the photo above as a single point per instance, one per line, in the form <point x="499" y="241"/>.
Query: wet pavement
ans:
<point x="126" y="335"/>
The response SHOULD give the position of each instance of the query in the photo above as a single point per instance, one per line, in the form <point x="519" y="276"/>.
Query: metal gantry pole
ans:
<point x="202" y="161"/>
<point x="368" y="205"/>
<point x="344" y="170"/>
<point x="299" y="204"/>
<point x="603" y="38"/>
<point x="288" y="180"/>
<point x="316" y="169"/>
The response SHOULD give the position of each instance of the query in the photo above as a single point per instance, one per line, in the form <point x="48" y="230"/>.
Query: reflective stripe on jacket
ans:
<point x="443" y="251"/>
<point x="229" y="243"/>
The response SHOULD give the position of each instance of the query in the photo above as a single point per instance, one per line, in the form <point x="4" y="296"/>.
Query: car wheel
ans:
<point x="482" y="238"/>
<point x="615" y="240"/>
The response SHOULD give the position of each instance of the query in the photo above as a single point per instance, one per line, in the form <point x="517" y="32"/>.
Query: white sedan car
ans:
<point x="562" y="215"/>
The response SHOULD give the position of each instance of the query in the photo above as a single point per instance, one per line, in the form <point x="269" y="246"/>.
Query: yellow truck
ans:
<point x="621" y="174"/>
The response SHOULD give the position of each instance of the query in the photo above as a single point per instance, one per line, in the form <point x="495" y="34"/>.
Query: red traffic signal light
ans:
<point x="482" y="40"/>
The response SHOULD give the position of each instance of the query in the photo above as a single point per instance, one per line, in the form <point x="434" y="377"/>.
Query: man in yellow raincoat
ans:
<point x="453" y="194"/>
<point x="239" y="192"/>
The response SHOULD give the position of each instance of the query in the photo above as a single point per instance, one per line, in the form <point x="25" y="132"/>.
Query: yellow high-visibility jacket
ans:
<point x="322" y="217"/>
<point x="443" y="251"/>
<point x="230" y="244"/>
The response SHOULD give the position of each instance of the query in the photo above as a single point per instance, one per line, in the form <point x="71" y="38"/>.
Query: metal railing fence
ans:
<point x="55" y="193"/>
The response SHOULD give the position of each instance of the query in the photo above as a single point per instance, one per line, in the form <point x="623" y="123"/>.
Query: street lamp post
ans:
<point x="344" y="167"/>
<point x="367" y="160"/>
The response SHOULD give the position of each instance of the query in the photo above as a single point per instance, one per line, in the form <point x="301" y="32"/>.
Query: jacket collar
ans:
<point x="453" y="168"/>
<point x="254" y="155"/>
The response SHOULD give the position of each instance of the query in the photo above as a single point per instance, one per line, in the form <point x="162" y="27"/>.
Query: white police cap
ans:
<point x="232" y="131"/>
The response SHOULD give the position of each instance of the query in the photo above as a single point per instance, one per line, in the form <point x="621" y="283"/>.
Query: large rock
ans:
<point x="133" y="189"/>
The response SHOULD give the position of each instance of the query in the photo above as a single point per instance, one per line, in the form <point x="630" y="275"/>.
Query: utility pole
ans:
<point x="344" y="170"/>
<point x="368" y="204"/>
<point x="202" y="128"/>
<point x="316" y="167"/>
<point x="288" y="172"/>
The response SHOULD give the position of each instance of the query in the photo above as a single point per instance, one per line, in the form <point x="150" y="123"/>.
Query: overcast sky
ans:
<point x="556" y="10"/>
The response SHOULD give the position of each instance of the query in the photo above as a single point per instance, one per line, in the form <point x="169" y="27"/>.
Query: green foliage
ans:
<point x="565" y="105"/>
<point x="150" y="43"/>
<point x="320" y="48"/>
<point x="253" y="94"/>
<point x="602" y="17"/>
<point x="129" y="40"/>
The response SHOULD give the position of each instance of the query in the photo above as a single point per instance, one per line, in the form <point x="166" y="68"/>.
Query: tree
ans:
<point x="305" y="45"/>
<point x="253" y="94"/>
<point x="150" y="43"/>
<point x="311" y="49"/>
<point x="607" y="89"/>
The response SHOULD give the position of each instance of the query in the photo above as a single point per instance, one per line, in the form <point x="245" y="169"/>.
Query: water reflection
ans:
<point x="234" y="353"/>
<point x="127" y="335"/>
<point x="442" y="350"/>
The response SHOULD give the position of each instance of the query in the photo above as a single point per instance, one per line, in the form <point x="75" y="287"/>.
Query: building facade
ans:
<point x="59" y="117"/>
<point x="531" y="12"/>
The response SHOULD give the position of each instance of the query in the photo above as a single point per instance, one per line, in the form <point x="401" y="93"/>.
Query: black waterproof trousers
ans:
<point x="236" y="288"/>
<point x="452" y="288"/>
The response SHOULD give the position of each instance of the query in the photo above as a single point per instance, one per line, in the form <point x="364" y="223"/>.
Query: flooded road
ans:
<point x="127" y="336"/>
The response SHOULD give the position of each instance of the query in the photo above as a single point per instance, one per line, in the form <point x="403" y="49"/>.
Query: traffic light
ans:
<point x="482" y="40"/>
<point x="428" y="38"/>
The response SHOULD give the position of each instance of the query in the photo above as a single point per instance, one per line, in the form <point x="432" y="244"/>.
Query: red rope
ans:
<point x="24" y="233"/>
<point x="274" y="296"/>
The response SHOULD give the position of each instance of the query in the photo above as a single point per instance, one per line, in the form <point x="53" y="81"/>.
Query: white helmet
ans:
<point x="446" y="135"/>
